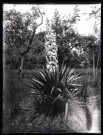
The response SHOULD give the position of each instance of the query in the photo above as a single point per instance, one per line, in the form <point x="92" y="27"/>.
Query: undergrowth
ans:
<point x="21" y="103"/>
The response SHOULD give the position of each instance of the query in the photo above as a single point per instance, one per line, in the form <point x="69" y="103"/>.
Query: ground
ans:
<point x="16" y="95"/>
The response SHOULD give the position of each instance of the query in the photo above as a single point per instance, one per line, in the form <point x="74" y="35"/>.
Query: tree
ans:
<point x="73" y="49"/>
<point x="96" y="14"/>
<point x="19" y="37"/>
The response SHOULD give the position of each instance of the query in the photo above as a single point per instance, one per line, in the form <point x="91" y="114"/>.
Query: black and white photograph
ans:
<point x="51" y="68"/>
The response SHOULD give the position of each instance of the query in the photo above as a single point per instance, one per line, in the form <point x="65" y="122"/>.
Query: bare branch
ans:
<point x="41" y="17"/>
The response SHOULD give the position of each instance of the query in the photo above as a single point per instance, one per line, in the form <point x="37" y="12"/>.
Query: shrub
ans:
<point x="54" y="90"/>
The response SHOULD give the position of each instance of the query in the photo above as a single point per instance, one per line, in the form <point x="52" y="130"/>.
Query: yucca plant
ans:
<point x="55" y="89"/>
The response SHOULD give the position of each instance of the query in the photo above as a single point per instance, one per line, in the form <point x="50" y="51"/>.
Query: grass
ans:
<point x="19" y="105"/>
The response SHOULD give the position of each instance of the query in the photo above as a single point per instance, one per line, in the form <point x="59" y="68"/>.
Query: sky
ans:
<point x="84" y="26"/>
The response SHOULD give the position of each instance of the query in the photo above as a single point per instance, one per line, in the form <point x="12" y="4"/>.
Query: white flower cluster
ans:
<point x="51" y="49"/>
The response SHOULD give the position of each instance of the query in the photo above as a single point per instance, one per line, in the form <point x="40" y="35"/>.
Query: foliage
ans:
<point x="73" y="49"/>
<point x="16" y="94"/>
<point x="18" y="28"/>
<point x="54" y="89"/>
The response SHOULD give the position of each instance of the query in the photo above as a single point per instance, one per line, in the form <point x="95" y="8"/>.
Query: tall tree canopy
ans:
<point x="20" y="38"/>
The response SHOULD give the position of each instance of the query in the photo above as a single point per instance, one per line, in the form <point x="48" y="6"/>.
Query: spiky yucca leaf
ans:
<point x="55" y="86"/>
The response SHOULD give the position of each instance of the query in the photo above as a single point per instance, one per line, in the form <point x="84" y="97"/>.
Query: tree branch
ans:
<point x="41" y="18"/>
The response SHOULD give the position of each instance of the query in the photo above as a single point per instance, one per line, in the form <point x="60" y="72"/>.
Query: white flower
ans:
<point x="51" y="49"/>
